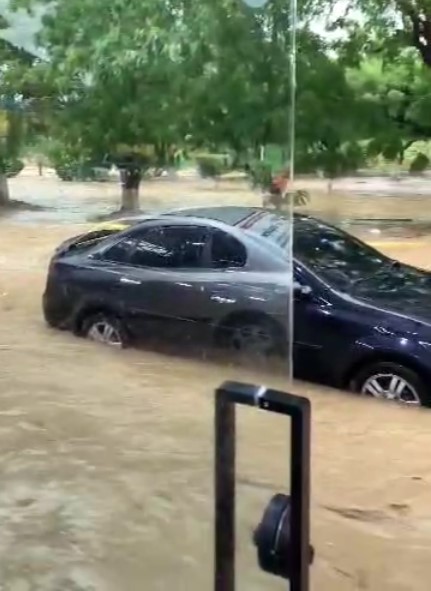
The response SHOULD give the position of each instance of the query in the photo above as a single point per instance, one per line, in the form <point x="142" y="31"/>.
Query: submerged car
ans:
<point x="362" y="321"/>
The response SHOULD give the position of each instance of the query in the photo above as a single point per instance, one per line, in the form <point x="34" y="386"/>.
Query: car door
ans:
<point x="223" y="276"/>
<point x="318" y="330"/>
<point x="161" y="286"/>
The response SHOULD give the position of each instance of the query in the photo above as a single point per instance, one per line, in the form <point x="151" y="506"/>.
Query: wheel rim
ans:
<point x="391" y="386"/>
<point x="253" y="339"/>
<point x="104" y="332"/>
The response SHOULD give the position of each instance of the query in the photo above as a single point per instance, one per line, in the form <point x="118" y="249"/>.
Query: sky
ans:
<point x="23" y="27"/>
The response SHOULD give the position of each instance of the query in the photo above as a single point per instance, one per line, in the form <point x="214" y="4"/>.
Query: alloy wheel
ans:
<point x="390" y="386"/>
<point x="104" y="332"/>
<point x="253" y="339"/>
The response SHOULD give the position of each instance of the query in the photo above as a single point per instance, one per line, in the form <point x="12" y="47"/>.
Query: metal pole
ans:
<point x="300" y="497"/>
<point x="224" y="550"/>
<point x="292" y="135"/>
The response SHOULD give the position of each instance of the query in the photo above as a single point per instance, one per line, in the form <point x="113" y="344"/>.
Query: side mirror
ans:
<point x="302" y="292"/>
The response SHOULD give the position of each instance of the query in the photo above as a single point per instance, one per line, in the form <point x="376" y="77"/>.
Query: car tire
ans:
<point x="392" y="381"/>
<point x="106" y="329"/>
<point x="253" y="337"/>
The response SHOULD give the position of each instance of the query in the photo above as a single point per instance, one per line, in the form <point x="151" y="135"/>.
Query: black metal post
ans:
<point x="224" y="559"/>
<point x="300" y="497"/>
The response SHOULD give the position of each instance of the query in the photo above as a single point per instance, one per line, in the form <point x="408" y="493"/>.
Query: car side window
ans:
<point x="170" y="247"/>
<point x="120" y="252"/>
<point x="226" y="251"/>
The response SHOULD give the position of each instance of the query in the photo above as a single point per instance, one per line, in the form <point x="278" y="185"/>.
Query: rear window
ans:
<point x="226" y="251"/>
<point x="272" y="226"/>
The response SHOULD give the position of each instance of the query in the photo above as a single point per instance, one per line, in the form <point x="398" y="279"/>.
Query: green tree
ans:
<point x="385" y="28"/>
<point x="13" y="61"/>
<point x="115" y="72"/>
<point x="105" y="81"/>
<point x="332" y="118"/>
<point x="397" y="93"/>
<point x="131" y="78"/>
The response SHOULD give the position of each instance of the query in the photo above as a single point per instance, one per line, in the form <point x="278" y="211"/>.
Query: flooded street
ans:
<point x="361" y="198"/>
<point x="106" y="464"/>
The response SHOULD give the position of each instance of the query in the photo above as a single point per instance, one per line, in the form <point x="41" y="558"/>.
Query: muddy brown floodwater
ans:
<point x="106" y="461"/>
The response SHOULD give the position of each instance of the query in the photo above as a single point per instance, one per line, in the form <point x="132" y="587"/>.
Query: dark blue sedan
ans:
<point x="362" y="321"/>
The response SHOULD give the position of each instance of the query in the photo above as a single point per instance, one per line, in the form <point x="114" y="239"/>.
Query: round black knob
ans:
<point x="272" y="538"/>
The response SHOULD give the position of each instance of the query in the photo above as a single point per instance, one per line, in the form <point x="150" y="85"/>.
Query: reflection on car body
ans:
<point x="362" y="321"/>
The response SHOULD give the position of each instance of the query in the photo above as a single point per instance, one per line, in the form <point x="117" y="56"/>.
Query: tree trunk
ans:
<point x="130" y="199"/>
<point x="162" y="156"/>
<point x="130" y="181"/>
<point x="4" y="191"/>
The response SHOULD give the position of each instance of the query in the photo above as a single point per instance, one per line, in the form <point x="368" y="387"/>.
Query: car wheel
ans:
<point x="392" y="381"/>
<point x="253" y="337"/>
<point x="105" y="329"/>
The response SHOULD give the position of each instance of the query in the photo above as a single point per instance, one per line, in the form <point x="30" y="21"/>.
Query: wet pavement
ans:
<point x="106" y="464"/>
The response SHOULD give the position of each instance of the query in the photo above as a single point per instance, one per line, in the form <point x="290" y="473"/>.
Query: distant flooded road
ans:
<point x="378" y="198"/>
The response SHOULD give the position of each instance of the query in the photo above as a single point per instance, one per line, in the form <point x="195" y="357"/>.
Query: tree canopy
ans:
<point x="126" y="80"/>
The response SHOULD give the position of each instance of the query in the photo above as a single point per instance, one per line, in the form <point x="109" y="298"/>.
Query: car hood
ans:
<point x="404" y="291"/>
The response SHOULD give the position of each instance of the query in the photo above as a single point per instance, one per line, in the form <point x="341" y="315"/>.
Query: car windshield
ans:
<point x="274" y="227"/>
<point x="348" y="264"/>
<point x="339" y="258"/>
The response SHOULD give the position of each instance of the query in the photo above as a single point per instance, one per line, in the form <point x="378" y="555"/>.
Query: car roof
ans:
<point x="231" y="215"/>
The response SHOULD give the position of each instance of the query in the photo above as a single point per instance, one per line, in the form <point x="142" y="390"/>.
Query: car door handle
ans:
<point x="130" y="281"/>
